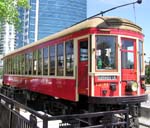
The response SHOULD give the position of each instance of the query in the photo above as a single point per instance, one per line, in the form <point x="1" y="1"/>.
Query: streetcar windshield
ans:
<point x="105" y="52"/>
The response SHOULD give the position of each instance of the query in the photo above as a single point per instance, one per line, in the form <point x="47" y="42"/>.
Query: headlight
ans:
<point x="132" y="86"/>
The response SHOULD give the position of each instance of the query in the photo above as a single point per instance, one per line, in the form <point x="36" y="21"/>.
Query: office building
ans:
<point x="49" y="16"/>
<point x="7" y="38"/>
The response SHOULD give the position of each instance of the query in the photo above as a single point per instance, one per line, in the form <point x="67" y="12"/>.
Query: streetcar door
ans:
<point x="83" y="66"/>
<point x="128" y="61"/>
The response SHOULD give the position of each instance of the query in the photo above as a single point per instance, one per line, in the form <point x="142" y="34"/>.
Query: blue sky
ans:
<point x="141" y="15"/>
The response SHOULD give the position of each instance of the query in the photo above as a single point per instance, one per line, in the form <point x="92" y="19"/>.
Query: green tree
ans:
<point x="9" y="11"/>
<point x="147" y="73"/>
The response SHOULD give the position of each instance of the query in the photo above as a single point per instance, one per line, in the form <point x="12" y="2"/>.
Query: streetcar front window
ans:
<point x="106" y="52"/>
<point x="127" y="56"/>
<point x="127" y="59"/>
<point x="141" y="55"/>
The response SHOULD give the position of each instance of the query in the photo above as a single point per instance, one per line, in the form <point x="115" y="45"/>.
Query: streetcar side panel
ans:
<point x="58" y="78"/>
<point x="64" y="88"/>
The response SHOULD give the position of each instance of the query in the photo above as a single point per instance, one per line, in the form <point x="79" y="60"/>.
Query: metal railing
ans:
<point x="10" y="117"/>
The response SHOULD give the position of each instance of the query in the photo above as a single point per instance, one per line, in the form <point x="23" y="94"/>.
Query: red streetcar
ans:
<point x="97" y="63"/>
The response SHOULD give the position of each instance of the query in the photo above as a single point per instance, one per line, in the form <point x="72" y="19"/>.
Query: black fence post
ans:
<point x="45" y="121"/>
<point x="10" y="116"/>
<point x="127" y="118"/>
<point x="33" y="121"/>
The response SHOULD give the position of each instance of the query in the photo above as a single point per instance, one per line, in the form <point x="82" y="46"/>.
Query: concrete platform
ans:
<point x="144" y="120"/>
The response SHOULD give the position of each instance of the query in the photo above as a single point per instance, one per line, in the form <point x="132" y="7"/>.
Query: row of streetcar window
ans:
<point x="53" y="60"/>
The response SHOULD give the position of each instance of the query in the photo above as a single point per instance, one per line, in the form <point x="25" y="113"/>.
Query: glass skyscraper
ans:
<point x="49" y="16"/>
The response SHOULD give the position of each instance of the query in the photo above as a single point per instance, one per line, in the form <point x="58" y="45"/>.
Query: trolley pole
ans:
<point x="103" y="12"/>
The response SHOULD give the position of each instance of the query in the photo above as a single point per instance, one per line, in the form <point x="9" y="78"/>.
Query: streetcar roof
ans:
<point x="99" y="22"/>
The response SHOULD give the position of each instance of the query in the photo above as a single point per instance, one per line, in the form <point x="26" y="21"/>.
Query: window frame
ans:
<point x="47" y="57"/>
<point x="116" y="54"/>
<point x="129" y="51"/>
<point x="35" y="65"/>
<point x="40" y="61"/>
<point x="22" y="64"/>
<point x="30" y="63"/>
<point x="61" y="60"/>
<point x="26" y="64"/>
<point x="72" y="57"/>
<point x="52" y="47"/>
